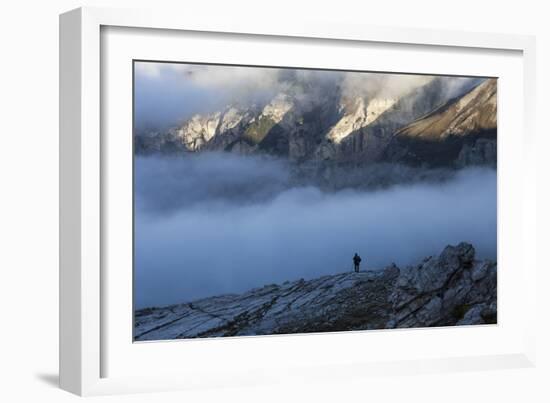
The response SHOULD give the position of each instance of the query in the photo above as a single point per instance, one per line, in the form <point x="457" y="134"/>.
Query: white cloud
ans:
<point x="157" y="70"/>
<point x="212" y="76"/>
<point x="245" y="80"/>
<point x="381" y="84"/>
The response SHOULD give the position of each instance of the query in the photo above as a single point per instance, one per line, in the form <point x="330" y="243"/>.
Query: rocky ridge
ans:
<point x="446" y="290"/>
<point x="463" y="130"/>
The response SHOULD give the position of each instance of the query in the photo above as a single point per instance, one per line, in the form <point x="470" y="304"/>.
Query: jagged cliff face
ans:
<point x="198" y="131"/>
<point x="354" y="118"/>
<point x="369" y="143"/>
<point x="451" y="289"/>
<point x="336" y="126"/>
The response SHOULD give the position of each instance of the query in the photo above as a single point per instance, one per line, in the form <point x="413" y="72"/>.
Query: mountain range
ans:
<point x="429" y="125"/>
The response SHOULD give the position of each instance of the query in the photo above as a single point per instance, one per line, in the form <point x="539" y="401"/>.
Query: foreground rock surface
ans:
<point x="451" y="289"/>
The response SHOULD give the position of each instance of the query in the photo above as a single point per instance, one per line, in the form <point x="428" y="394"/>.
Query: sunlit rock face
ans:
<point x="446" y="290"/>
<point x="277" y="108"/>
<point x="355" y="117"/>
<point x="198" y="131"/>
<point x="378" y="106"/>
<point x="428" y="124"/>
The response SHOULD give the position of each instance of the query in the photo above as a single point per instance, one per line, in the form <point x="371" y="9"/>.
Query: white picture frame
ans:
<point x="84" y="343"/>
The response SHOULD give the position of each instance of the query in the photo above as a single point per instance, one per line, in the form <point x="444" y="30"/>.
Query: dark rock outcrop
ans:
<point x="451" y="289"/>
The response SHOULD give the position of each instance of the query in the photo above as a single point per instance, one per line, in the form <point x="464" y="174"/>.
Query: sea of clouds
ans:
<point x="210" y="224"/>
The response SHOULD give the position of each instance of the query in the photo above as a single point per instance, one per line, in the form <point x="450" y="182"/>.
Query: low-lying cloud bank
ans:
<point x="219" y="224"/>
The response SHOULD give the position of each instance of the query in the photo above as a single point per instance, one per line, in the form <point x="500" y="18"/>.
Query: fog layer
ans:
<point x="212" y="224"/>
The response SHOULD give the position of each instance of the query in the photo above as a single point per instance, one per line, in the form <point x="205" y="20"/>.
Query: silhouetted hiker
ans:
<point x="356" y="262"/>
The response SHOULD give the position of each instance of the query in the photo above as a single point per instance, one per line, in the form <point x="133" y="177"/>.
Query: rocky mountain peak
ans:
<point x="199" y="130"/>
<point x="462" y="130"/>
<point x="377" y="106"/>
<point x="354" y="117"/>
<point x="231" y="118"/>
<point x="277" y="108"/>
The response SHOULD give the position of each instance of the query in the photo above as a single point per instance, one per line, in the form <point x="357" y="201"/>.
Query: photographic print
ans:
<point x="277" y="200"/>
